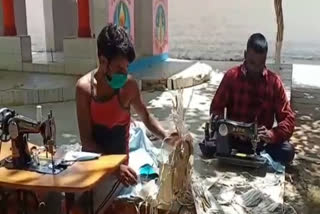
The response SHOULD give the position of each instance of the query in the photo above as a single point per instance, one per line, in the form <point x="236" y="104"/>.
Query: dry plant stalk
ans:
<point x="175" y="174"/>
<point x="280" y="30"/>
<point x="175" y="170"/>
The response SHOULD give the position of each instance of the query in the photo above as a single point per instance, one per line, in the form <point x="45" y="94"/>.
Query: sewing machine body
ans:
<point x="16" y="128"/>
<point x="218" y="136"/>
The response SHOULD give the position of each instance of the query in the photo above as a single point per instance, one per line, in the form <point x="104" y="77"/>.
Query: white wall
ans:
<point x="35" y="23"/>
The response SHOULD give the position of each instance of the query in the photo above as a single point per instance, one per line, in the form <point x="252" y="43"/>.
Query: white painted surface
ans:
<point x="14" y="50"/>
<point x="305" y="76"/>
<point x="48" y="23"/>
<point x="80" y="48"/>
<point x="36" y="25"/>
<point x="60" y="20"/>
<point x="80" y="55"/>
<point x="78" y="66"/>
<point x="10" y="45"/>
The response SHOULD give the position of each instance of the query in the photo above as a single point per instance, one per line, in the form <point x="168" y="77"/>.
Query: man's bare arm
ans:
<point x="150" y="122"/>
<point x="84" y="119"/>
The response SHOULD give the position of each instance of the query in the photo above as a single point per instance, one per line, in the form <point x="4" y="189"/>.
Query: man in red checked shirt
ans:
<point x="251" y="90"/>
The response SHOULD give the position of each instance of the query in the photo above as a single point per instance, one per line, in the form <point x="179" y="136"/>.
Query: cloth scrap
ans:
<point x="276" y="166"/>
<point x="80" y="156"/>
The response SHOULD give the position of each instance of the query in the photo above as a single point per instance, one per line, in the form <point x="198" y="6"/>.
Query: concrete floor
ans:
<point x="14" y="80"/>
<point x="47" y="57"/>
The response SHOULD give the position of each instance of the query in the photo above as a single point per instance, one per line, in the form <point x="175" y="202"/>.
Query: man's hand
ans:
<point x="173" y="140"/>
<point x="128" y="176"/>
<point x="264" y="134"/>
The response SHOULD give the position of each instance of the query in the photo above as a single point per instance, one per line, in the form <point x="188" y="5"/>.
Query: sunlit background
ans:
<point x="218" y="30"/>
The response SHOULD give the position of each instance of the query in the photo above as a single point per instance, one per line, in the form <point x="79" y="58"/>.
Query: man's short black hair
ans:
<point x="258" y="43"/>
<point x="113" y="41"/>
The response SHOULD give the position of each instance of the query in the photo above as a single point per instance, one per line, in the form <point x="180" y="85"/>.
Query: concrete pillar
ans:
<point x="21" y="17"/>
<point x="36" y="24"/>
<point x="60" y="22"/>
<point x="15" y="43"/>
<point x="151" y="18"/>
<point x="99" y="14"/>
<point x="48" y="25"/>
<point x="80" y="54"/>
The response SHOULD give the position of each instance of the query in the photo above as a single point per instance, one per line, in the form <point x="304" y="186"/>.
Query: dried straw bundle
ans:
<point x="174" y="184"/>
<point x="175" y="172"/>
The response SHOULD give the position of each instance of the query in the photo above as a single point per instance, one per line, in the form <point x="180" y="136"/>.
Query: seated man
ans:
<point x="252" y="91"/>
<point x="104" y="98"/>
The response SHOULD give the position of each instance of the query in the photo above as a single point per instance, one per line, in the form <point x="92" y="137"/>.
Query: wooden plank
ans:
<point x="79" y="177"/>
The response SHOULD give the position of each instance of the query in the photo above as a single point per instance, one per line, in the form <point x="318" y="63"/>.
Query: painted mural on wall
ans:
<point x="121" y="12"/>
<point x="160" y="26"/>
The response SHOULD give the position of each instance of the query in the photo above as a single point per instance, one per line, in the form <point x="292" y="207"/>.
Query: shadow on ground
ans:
<point x="303" y="178"/>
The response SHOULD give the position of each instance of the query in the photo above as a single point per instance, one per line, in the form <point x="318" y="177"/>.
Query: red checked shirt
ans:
<point x="246" y="99"/>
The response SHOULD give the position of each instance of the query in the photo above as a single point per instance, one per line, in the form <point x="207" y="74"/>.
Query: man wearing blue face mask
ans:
<point x="104" y="97"/>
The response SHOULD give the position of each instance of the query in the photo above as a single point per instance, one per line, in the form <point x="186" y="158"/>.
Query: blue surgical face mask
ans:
<point x="117" y="81"/>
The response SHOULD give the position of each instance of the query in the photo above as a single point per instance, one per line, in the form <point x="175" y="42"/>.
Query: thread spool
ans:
<point x="39" y="113"/>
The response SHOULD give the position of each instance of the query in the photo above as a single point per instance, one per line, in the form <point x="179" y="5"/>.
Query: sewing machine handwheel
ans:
<point x="5" y="115"/>
<point x="223" y="130"/>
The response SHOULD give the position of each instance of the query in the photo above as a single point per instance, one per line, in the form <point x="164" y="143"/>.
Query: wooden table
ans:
<point x="79" y="177"/>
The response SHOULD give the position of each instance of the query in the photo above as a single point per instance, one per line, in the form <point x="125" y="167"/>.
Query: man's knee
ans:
<point x="282" y="152"/>
<point x="288" y="149"/>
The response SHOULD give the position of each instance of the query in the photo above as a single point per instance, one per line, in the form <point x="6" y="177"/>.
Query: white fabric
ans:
<point x="142" y="151"/>
<point x="80" y="156"/>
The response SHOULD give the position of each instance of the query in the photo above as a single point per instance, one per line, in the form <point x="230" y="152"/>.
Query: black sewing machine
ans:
<point x="218" y="136"/>
<point x="17" y="128"/>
